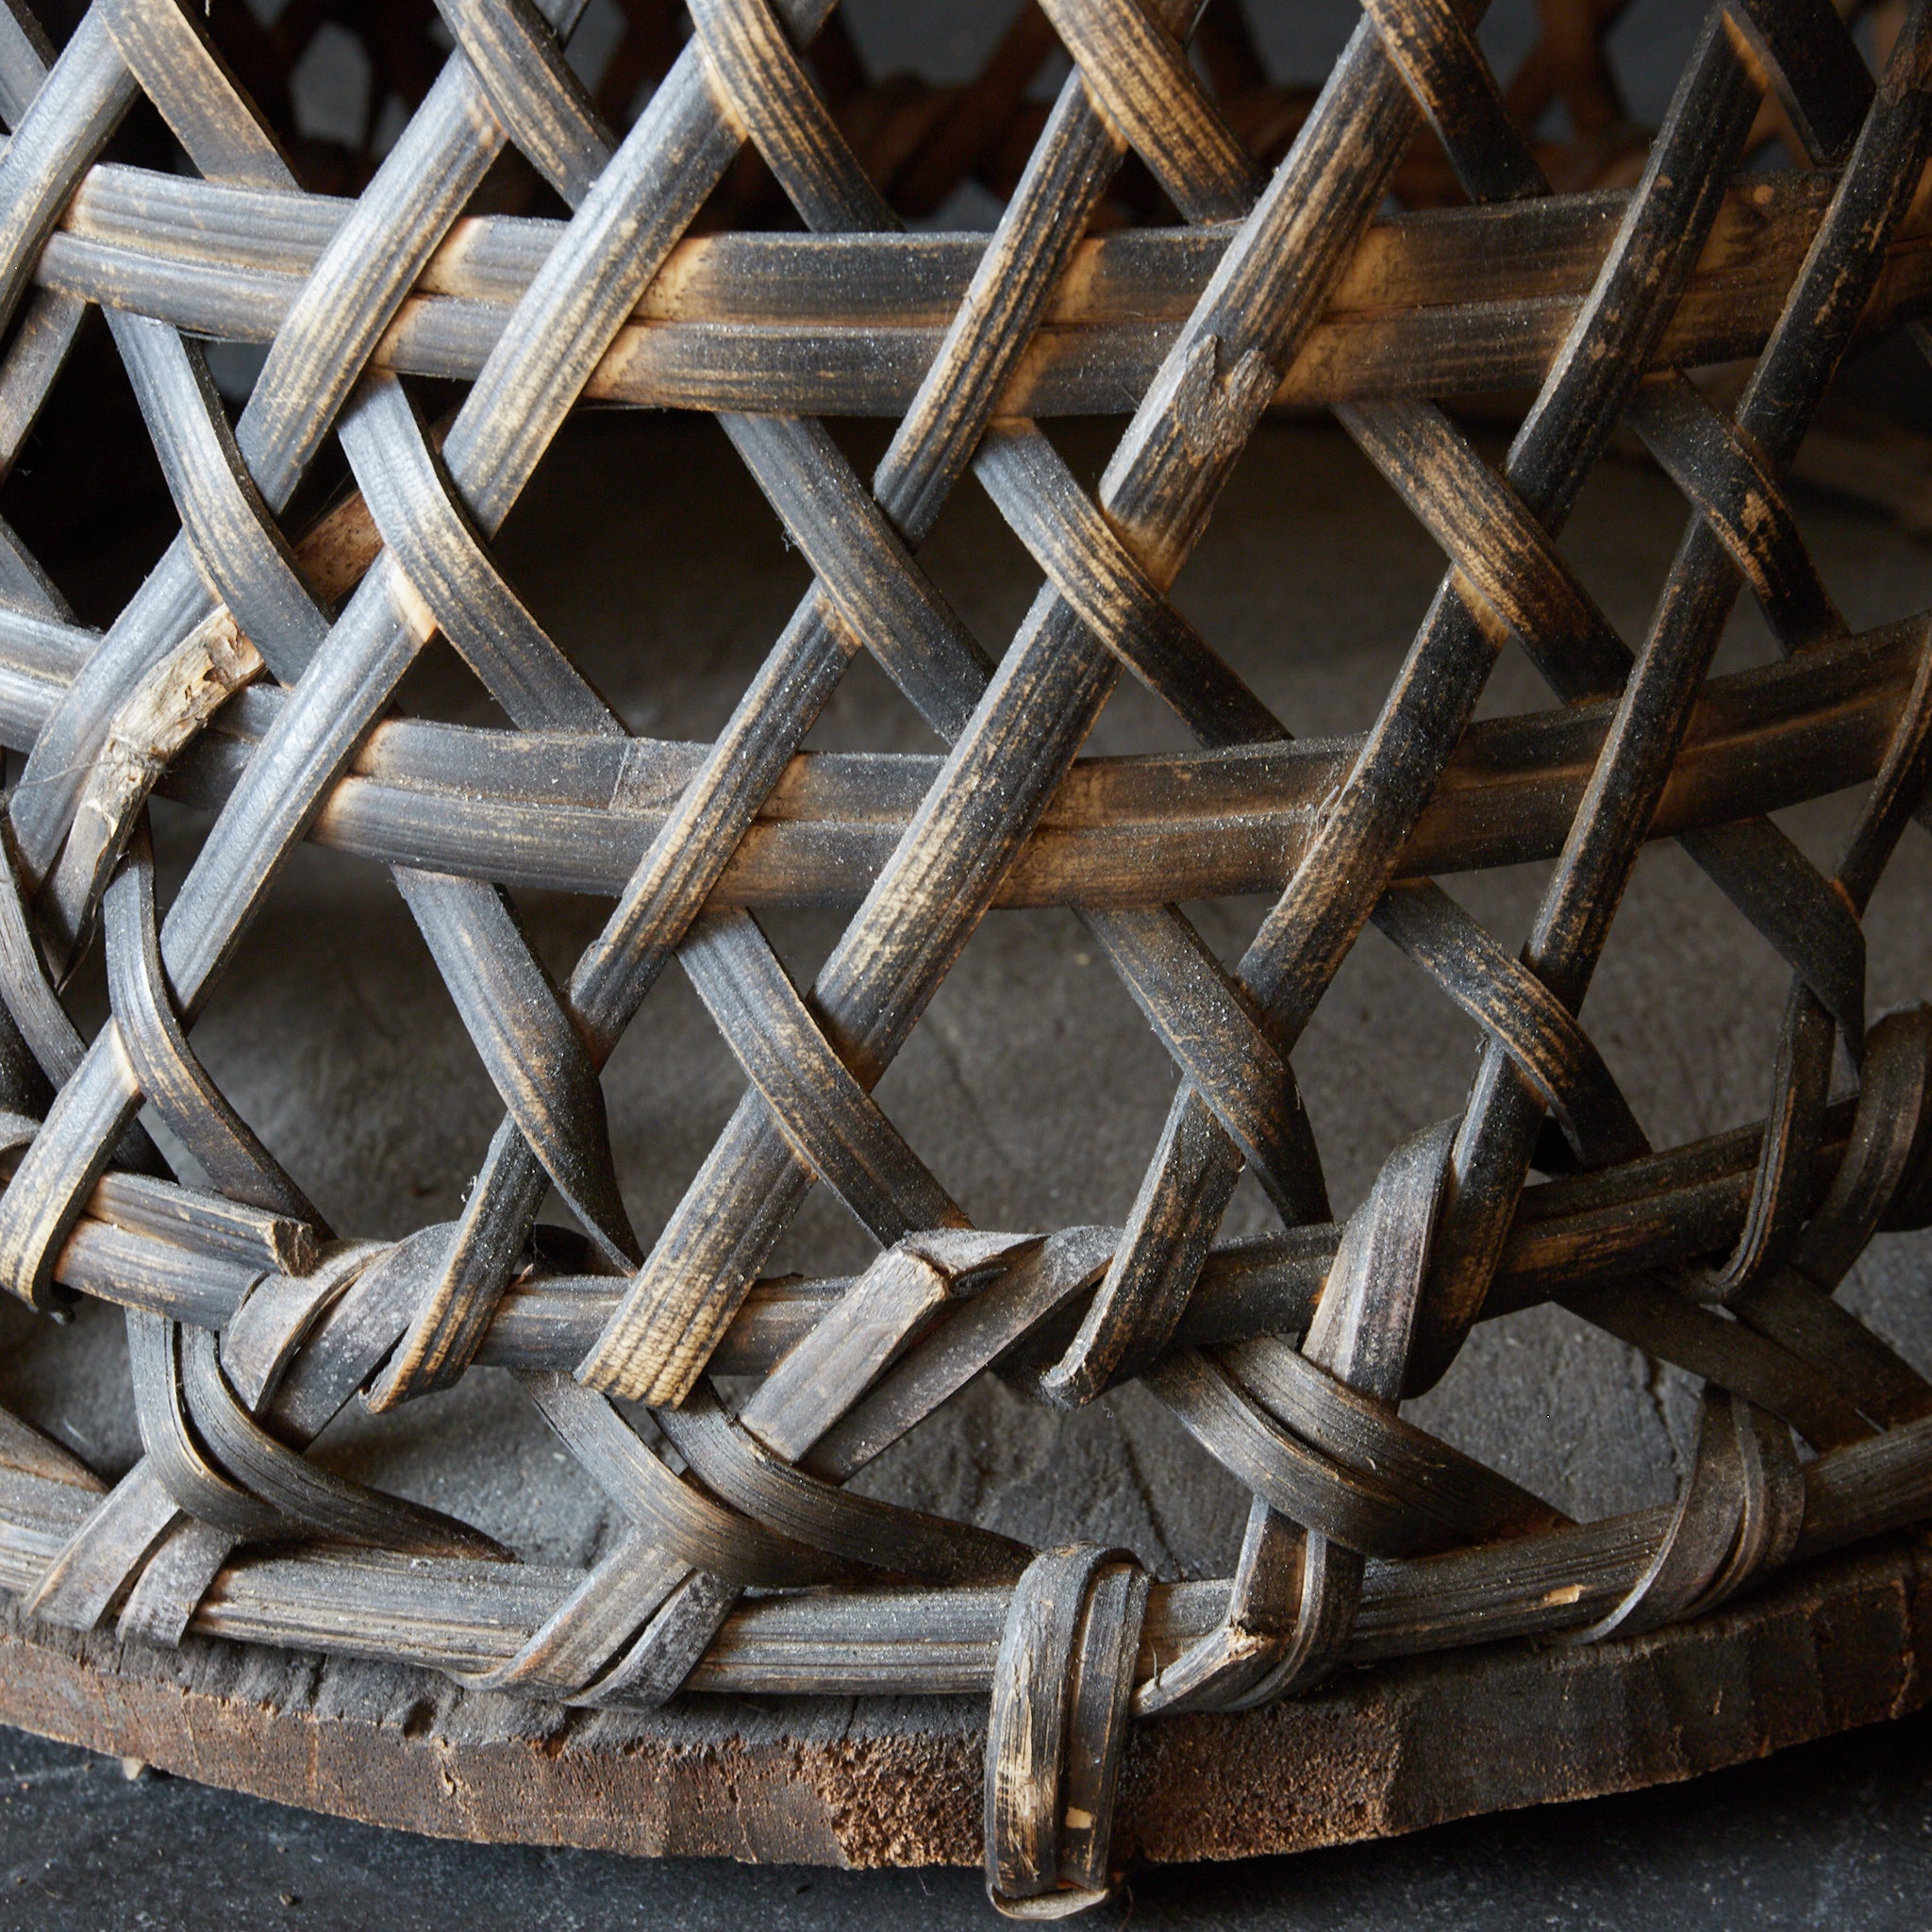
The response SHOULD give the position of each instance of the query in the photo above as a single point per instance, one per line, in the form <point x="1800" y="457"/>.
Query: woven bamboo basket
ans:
<point x="1181" y="246"/>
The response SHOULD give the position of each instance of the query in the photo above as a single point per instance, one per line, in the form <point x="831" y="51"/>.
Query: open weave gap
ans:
<point x="255" y="675"/>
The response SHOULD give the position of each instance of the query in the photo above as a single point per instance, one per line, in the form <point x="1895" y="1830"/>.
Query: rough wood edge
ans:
<point x="1378" y="1751"/>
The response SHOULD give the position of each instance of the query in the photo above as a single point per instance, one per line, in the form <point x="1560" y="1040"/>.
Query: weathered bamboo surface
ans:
<point x="260" y="674"/>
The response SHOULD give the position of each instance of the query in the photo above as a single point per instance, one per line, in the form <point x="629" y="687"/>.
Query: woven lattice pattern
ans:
<point x="254" y="676"/>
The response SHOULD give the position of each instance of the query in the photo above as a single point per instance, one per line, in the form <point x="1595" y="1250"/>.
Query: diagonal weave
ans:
<point x="254" y="677"/>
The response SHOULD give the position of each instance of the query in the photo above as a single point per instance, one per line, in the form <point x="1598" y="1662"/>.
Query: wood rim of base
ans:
<point x="1374" y="1752"/>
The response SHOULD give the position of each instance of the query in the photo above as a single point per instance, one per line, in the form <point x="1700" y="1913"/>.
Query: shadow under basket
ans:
<point x="1039" y="1252"/>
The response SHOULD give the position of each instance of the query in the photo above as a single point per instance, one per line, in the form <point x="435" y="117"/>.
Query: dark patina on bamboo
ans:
<point x="253" y="674"/>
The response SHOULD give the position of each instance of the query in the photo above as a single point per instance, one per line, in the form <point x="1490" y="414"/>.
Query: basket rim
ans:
<point x="556" y="810"/>
<point x="1434" y="302"/>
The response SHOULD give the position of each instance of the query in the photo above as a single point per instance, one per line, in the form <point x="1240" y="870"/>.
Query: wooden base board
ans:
<point x="1377" y="1751"/>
